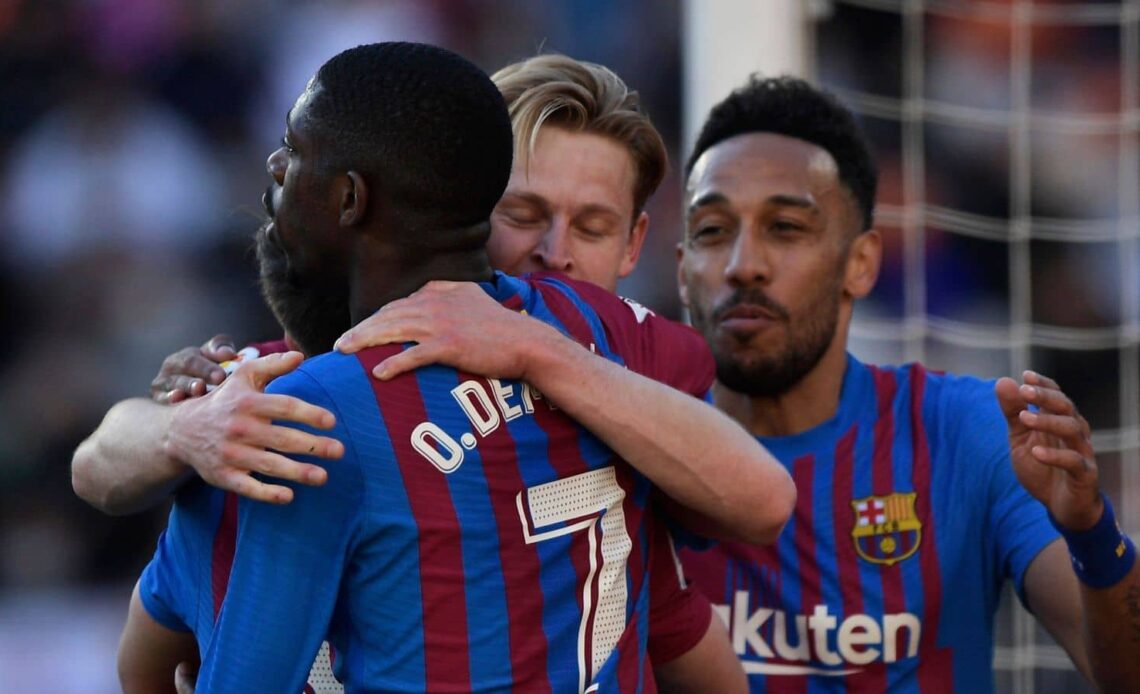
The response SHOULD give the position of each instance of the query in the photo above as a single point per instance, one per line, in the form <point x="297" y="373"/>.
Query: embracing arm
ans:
<point x="143" y="450"/>
<point x="1095" y="618"/>
<point x="695" y="454"/>
<point x="122" y="467"/>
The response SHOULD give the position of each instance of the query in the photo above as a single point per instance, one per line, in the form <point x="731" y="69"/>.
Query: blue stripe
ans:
<point x="902" y="453"/>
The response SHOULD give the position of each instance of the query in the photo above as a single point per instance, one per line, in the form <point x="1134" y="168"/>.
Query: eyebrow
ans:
<point x="706" y="200"/>
<point x="782" y="200"/>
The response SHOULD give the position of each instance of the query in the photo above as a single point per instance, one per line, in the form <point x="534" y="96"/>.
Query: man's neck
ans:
<point x="813" y="400"/>
<point x="378" y="282"/>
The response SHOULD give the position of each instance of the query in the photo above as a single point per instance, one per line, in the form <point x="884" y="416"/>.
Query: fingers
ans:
<point x="399" y="321"/>
<point x="244" y="484"/>
<point x="411" y="358"/>
<point x="182" y="369"/>
<point x="1061" y="426"/>
<point x="262" y="370"/>
<point x="259" y="435"/>
<point x="1009" y="397"/>
<point x="185" y="678"/>
<point x="219" y="348"/>
<point x="288" y="408"/>
<point x="1046" y="398"/>
<point x="1065" y="459"/>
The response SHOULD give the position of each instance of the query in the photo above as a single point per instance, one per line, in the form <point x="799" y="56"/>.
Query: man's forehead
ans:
<point x="762" y="161"/>
<point x="304" y="100"/>
<point x="577" y="169"/>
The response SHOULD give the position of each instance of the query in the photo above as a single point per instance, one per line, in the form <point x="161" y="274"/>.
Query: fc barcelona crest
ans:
<point x="887" y="529"/>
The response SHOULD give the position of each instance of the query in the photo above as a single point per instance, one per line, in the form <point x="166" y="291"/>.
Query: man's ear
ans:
<point x="863" y="262"/>
<point x="353" y="199"/>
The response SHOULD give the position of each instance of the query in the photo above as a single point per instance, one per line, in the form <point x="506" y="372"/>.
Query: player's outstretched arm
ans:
<point x="150" y="652"/>
<point x="143" y="450"/>
<point x="696" y="455"/>
<point x="1085" y="589"/>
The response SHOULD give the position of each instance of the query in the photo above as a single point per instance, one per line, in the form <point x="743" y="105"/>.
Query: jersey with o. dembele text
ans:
<point x="472" y="538"/>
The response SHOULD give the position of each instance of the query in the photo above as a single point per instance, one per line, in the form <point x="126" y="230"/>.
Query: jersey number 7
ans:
<point x="592" y="503"/>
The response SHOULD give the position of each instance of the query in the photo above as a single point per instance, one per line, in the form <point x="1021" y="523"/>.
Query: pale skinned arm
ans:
<point x="150" y="652"/>
<point x="710" y="666"/>
<point x="144" y="450"/>
<point x="1054" y="460"/>
<point x="695" y="454"/>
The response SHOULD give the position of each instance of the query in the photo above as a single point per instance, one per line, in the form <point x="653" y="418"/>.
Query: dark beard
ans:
<point x="773" y="376"/>
<point x="314" y="316"/>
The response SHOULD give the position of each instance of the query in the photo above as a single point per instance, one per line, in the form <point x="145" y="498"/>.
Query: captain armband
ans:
<point x="1101" y="555"/>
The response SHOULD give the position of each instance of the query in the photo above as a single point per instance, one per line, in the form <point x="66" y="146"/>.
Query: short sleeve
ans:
<point x="161" y="589"/>
<point x="1018" y="524"/>
<point x="679" y="615"/>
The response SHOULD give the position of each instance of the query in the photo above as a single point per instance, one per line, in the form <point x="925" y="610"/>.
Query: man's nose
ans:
<point x="553" y="251"/>
<point x="275" y="165"/>
<point x="748" y="262"/>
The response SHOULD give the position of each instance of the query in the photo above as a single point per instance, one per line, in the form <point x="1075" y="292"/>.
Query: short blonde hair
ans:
<point x="582" y="97"/>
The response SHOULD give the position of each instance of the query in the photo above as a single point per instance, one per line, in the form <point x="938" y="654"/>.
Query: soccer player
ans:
<point x="919" y="493"/>
<point x="320" y="260"/>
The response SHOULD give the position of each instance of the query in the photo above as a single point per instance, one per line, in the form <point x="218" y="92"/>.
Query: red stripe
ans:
<point x="519" y="561"/>
<point x="883" y="484"/>
<point x="225" y="540"/>
<point x="803" y="470"/>
<point x="935" y="669"/>
<point x="444" y="606"/>
<point x="567" y="313"/>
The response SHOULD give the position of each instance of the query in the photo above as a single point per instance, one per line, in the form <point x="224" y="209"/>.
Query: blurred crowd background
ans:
<point x="133" y="135"/>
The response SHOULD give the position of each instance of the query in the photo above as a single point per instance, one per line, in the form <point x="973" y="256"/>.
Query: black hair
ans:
<point x="791" y="106"/>
<point x="427" y="124"/>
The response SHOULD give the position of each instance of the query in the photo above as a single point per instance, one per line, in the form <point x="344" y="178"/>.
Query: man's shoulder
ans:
<point x="934" y="385"/>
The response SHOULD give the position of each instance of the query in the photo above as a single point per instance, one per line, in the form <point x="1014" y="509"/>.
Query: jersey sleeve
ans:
<point x="679" y="615"/>
<point x="1018" y="523"/>
<point x="162" y="588"/>
<point x="651" y="345"/>
<point x="286" y="570"/>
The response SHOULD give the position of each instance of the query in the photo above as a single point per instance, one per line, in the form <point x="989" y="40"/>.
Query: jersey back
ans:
<point x="472" y="538"/>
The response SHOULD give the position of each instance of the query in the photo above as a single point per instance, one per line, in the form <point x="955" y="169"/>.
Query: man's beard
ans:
<point x="314" y="316"/>
<point x="771" y="376"/>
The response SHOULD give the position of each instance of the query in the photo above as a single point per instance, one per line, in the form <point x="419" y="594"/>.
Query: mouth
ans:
<point x="745" y="318"/>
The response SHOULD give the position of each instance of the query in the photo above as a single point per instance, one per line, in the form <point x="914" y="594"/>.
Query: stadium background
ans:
<point x="132" y="140"/>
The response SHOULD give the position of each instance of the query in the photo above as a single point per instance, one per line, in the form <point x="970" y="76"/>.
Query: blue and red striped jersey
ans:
<point x="473" y="538"/>
<point x="908" y="520"/>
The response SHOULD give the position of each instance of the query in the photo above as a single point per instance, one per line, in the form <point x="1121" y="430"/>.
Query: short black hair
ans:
<point x="427" y="123"/>
<point x="791" y="106"/>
